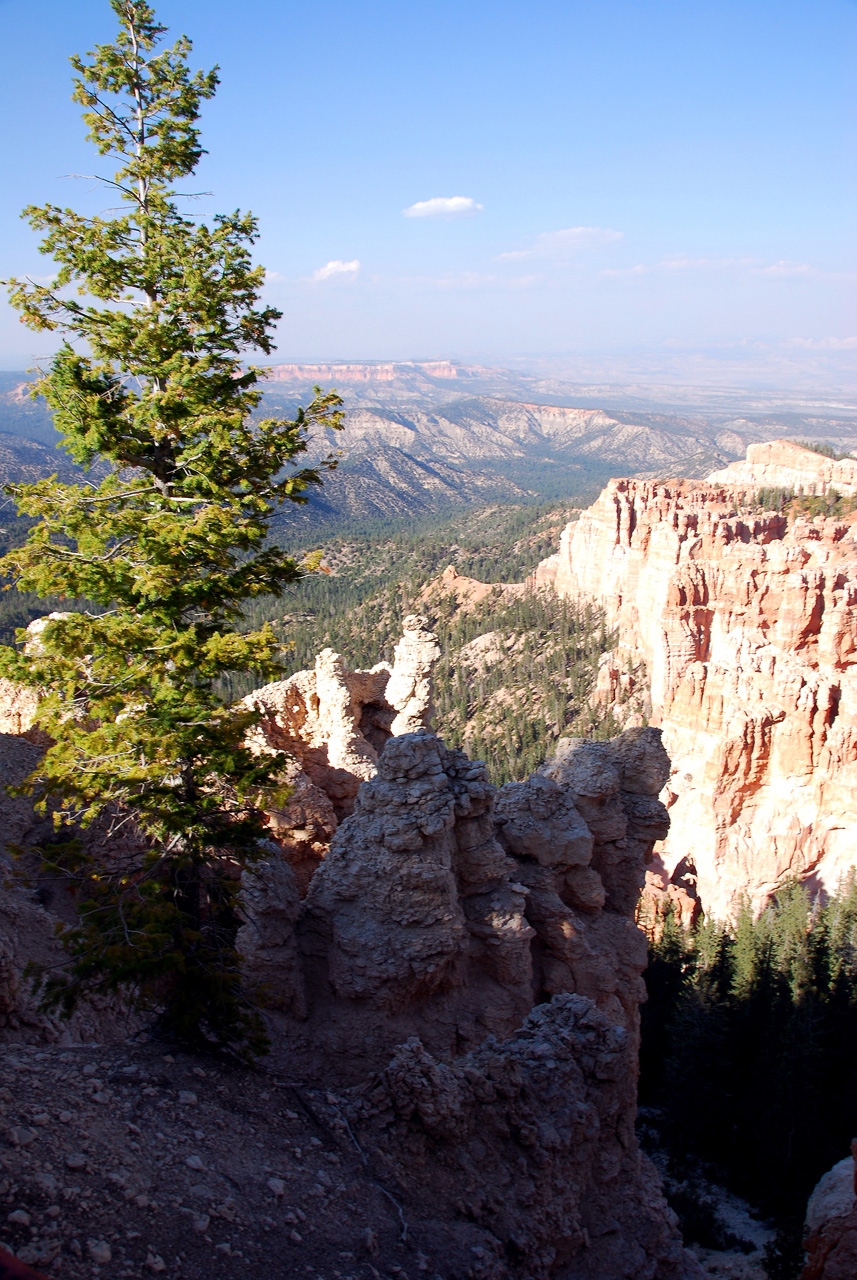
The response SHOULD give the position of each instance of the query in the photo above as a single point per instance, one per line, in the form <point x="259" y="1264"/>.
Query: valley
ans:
<point x="425" y="439"/>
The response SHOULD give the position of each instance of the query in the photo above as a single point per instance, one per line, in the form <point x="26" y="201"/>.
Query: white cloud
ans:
<point x="443" y="207"/>
<point x="824" y="344"/>
<point x="336" y="268"/>
<point x="684" y="263"/>
<point x="274" y="277"/>
<point x="564" y="244"/>
<point x="784" y="268"/>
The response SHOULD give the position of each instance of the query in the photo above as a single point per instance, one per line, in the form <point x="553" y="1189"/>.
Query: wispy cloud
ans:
<point x="683" y="263"/>
<point x="564" y="244"/>
<point x="824" y="344"/>
<point x="784" y="268"/>
<point x="336" y="268"/>
<point x="443" y="207"/>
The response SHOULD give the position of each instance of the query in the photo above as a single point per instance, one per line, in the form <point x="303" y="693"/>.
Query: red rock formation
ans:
<point x="468" y="593"/>
<point x="748" y="627"/>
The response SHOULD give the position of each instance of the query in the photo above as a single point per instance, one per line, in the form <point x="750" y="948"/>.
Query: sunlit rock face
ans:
<point x="748" y="627"/>
<point x="781" y="464"/>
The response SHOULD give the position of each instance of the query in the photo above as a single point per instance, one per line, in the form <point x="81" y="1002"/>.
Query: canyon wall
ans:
<point x="747" y="623"/>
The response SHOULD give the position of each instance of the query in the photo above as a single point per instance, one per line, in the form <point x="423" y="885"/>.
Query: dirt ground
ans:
<point x="130" y="1161"/>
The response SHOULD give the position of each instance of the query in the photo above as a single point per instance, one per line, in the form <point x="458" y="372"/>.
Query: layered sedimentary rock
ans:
<point x="781" y="464"/>
<point x="747" y="623"/>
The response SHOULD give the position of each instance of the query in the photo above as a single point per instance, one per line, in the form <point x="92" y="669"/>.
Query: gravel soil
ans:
<point x="127" y="1161"/>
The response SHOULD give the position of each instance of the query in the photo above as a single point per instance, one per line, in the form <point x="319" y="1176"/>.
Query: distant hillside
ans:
<point x="27" y="460"/>
<point x="429" y="437"/>
<point x="21" y="416"/>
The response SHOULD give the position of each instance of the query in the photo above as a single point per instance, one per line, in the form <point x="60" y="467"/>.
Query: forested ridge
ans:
<point x="505" y="700"/>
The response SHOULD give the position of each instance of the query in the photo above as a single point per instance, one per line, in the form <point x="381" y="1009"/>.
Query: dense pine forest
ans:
<point x="507" y="697"/>
<point x="749" y="1054"/>
<point x="516" y="672"/>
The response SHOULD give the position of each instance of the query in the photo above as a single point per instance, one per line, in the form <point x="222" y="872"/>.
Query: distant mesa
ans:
<point x="372" y="372"/>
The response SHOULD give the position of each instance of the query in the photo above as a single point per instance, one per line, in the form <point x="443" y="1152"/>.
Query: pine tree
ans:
<point x="156" y="311"/>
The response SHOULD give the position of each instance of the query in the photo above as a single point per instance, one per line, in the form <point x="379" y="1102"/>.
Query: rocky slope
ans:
<point x="747" y="623"/>
<point x="455" y="992"/>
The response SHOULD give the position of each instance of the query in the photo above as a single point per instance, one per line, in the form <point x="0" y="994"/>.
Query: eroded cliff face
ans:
<point x="748" y="627"/>
<point x="782" y="464"/>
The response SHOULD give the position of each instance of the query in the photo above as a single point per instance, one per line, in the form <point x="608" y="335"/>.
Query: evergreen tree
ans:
<point x="156" y="311"/>
<point x="750" y="1044"/>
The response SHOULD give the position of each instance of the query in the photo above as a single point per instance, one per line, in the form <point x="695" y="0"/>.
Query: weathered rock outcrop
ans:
<point x="830" y="1231"/>
<point x="446" y="907"/>
<point x="748" y="626"/>
<point x="781" y="464"/>
<point x="469" y="963"/>
<point x="528" y="1146"/>
<point x="331" y="723"/>
<point x="468" y="593"/>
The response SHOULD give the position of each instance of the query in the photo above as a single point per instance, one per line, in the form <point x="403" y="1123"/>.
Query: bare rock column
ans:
<point x="409" y="688"/>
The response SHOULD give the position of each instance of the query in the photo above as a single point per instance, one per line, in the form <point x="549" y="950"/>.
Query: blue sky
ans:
<point x="631" y="172"/>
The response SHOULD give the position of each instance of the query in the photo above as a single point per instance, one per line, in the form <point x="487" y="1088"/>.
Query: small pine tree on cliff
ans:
<point x="168" y="546"/>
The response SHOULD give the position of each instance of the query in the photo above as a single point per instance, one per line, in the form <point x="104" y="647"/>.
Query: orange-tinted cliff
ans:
<point x="748" y="626"/>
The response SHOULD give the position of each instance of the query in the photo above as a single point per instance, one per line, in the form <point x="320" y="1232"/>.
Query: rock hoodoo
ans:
<point x="747" y="623"/>
<point x="469" y="963"/>
<point x="331" y="723"/>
